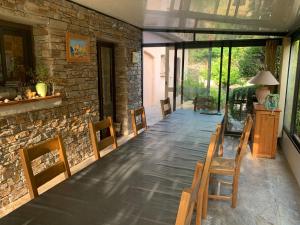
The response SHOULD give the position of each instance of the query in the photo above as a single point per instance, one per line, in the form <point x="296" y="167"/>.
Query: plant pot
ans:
<point x="41" y="89"/>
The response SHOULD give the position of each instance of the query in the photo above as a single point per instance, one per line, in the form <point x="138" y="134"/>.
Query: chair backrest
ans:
<point x="135" y="113"/>
<point x="242" y="147"/>
<point x="165" y="107"/>
<point x="29" y="154"/>
<point x="190" y="196"/>
<point x="103" y="125"/>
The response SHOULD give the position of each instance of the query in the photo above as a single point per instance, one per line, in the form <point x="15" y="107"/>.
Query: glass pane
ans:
<point x="15" y="63"/>
<point x="201" y="78"/>
<point x="245" y="63"/>
<point x="166" y="37"/>
<point x="297" y="123"/>
<point x="106" y="66"/>
<point x="224" y="78"/>
<point x="233" y="15"/>
<point x="291" y="85"/>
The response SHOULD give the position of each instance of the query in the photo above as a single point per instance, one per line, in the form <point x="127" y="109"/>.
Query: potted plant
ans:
<point x="42" y="74"/>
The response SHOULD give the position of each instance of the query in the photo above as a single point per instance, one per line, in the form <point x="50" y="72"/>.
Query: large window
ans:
<point x="291" y="86"/>
<point x="15" y="54"/>
<point x="292" y="105"/>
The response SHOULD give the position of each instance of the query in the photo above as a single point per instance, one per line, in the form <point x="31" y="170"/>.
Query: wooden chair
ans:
<point x="189" y="197"/>
<point x="140" y="112"/>
<point x="32" y="153"/>
<point x="231" y="167"/>
<point x="203" y="102"/>
<point x="165" y="107"/>
<point x="194" y="196"/>
<point x="224" y="127"/>
<point x="106" y="124"/>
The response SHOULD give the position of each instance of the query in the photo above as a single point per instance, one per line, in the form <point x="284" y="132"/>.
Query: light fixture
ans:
<point x="135" y="57"/>
<point x="263" y="78"/>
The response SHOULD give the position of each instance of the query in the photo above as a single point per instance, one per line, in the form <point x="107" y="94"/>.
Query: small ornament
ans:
<point x="30" y="94"/>
<point x="6" y="100"/>
<point x="18" y="98"/>
<point x="271" y="102"/>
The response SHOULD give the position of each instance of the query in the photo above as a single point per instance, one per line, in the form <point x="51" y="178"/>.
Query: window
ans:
<point x="15" y="54"/>
<point x="291" y="85"/>
<point x="292" y="105"/>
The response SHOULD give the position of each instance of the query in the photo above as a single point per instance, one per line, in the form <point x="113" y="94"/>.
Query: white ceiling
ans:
<point x="235" y="15"/>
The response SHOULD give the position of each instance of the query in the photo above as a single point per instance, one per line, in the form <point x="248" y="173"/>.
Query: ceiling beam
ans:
<point x="205" y="44"/>
<point x="212" y="31"/>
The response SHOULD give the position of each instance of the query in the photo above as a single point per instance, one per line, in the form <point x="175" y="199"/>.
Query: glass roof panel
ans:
<point x="166" y="37"/>
<point x="249" y="15"/>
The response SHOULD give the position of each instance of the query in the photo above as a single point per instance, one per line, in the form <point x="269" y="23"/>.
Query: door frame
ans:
<point x="112" y="80"/>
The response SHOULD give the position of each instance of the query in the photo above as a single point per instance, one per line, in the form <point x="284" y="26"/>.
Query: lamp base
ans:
<point x="261" y="94"/>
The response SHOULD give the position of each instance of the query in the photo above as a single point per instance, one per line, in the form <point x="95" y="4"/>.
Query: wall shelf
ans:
<point x="23" y="106"/>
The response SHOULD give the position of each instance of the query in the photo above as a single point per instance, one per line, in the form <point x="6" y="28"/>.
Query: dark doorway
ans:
<point x="106" y="80"/>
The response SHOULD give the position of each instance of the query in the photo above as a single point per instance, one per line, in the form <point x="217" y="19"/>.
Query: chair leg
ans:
<point x="235" y="186"/>
<point x="205" y="201"/>
<point x="199" y="209"/>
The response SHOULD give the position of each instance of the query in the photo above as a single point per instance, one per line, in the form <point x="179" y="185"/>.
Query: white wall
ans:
<point x="291" y="154"/>
<point x="154" y="83"/>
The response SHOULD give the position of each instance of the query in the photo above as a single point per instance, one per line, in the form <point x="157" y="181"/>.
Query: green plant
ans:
<point x="42" y="73"/>
<point x="239" y="96"/>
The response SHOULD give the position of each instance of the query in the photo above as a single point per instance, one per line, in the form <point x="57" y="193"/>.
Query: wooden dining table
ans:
<point x="140" y="183"/>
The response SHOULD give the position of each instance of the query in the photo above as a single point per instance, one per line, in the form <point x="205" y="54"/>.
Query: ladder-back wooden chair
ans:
<point x="34" y="181"/>
<point x="224" y="127"/>
<point x="231" y="167"/>
<point x="138" y="113"/>
<point x="111" y="140"/>
<point x="165" y="107"/>
<point x="193" y="197"/>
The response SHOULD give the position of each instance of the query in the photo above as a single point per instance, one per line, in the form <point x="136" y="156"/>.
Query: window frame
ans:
<point x="24" y="31"/>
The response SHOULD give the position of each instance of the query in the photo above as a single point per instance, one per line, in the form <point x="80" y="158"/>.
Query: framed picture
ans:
<point x="272" y="101"/>
<point x="77" y="48"/>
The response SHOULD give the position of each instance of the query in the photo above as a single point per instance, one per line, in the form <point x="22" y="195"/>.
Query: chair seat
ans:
<point x="222" y="165"/>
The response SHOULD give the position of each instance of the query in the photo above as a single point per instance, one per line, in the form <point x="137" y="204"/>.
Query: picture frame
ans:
<point x="77" y="47"/>
<point x="272" y="102"/>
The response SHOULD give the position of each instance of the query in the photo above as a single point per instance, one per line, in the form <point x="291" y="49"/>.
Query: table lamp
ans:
<point x="264" y="78"/>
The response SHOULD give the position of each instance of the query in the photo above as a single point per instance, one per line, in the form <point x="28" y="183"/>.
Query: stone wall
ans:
<point x="77" y="82"/>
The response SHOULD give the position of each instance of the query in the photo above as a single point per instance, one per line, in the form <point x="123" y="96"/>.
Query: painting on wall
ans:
<point x="77" y="47"/>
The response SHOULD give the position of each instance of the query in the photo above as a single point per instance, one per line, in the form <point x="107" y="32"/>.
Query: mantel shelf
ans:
<point x="23" y="106"/>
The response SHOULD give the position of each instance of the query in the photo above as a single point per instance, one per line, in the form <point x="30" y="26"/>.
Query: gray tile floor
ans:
<point x="268" y="194"/>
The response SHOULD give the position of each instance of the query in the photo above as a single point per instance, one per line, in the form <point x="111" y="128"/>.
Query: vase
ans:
<point x="41" y="89"/>
<point x="261" y="94"/>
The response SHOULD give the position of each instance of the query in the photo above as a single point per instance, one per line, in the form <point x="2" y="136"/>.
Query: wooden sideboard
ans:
<point x="265" y="130"/>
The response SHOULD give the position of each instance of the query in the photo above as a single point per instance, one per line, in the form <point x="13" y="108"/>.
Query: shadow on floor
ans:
<point x="268" y="193"/>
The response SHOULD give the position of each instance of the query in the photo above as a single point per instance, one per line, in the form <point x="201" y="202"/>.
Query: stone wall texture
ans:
<point x="77" y="82"/>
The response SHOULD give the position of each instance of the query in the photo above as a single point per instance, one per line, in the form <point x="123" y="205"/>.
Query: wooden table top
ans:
<point x="138" y="184"/>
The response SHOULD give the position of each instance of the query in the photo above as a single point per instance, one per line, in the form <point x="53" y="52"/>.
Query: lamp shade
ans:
<point x="264" y="78"/>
